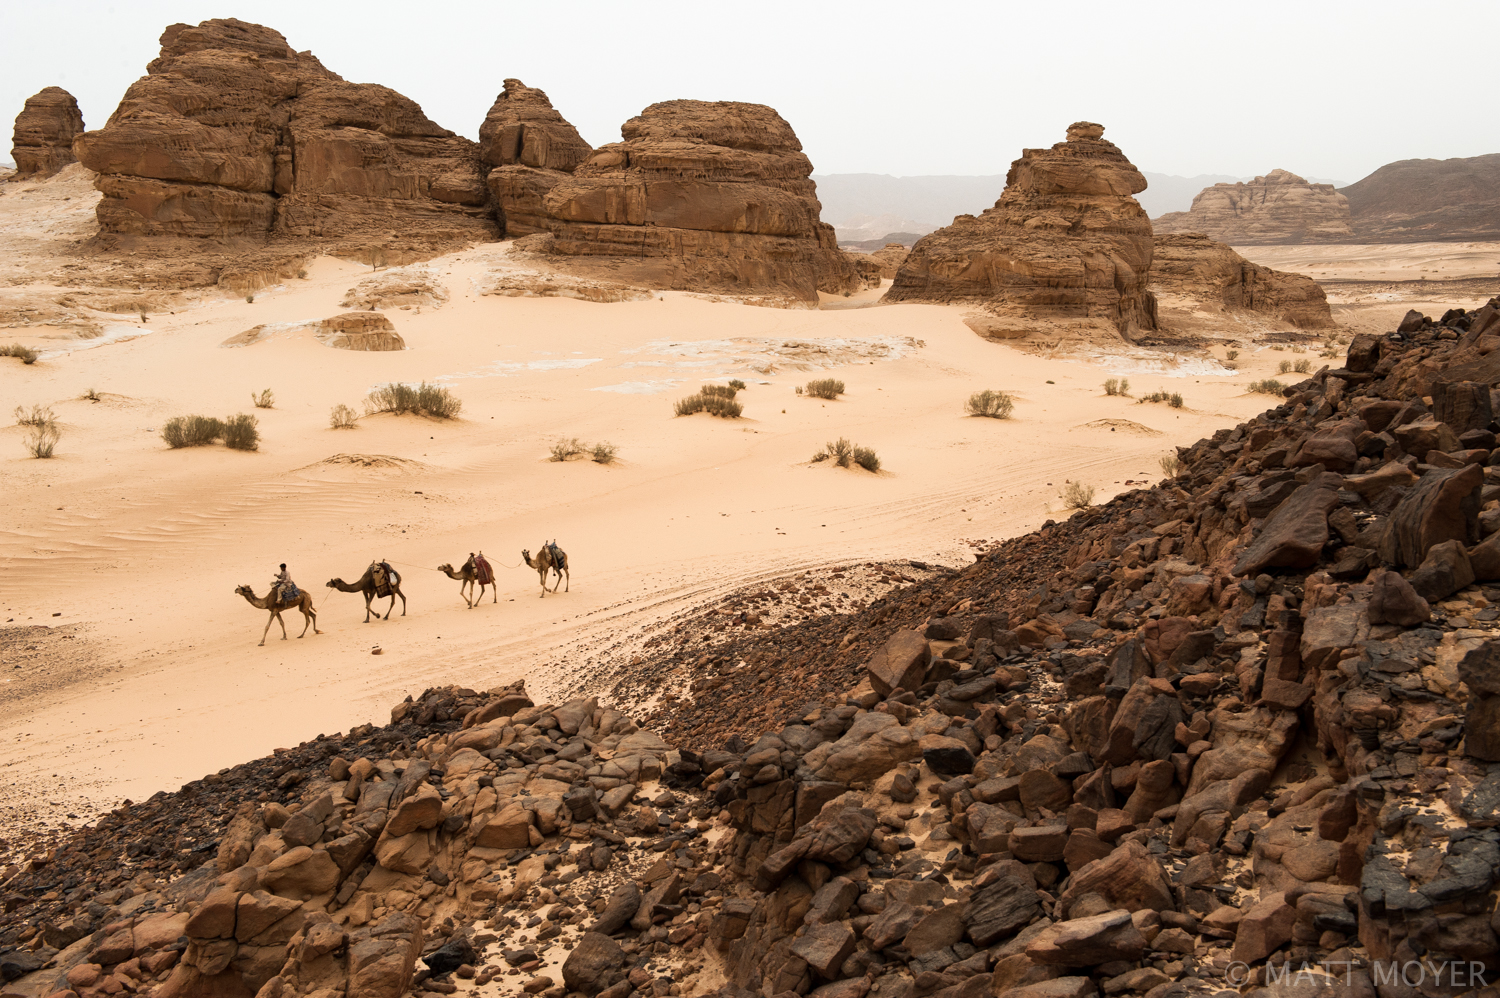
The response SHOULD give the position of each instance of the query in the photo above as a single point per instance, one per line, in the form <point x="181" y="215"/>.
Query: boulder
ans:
<point x="1088" y="942"/>
<point x="1267" y="925"/>
<point x="900" y="663"/>
<point x="825" y="947"/>
<point x="1127" y="878"/>
<point x="381" y="957"/>
<point x="1066" y="251"/>
<point x="1000" y="909"/>
<point x="1444" y="571"/>
<point x="1442" y="506"/>
<point x="1294" y="535"/>
<point x="44" y="134"/>
<point x="359" y="331"/>
<point x="1394" y="601"/>
<point x="594" y="960"/>
<point x="1277" y="208"/>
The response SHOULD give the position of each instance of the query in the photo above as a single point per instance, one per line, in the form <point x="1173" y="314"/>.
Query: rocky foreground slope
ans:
<point x="1242" y="722"/>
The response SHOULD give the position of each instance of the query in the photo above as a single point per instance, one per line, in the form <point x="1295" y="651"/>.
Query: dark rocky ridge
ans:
<point x="1247" y="718"/>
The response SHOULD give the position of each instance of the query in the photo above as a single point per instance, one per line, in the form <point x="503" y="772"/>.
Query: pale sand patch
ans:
<point x="146" y="545"/>
<point x="1381" y="261"/>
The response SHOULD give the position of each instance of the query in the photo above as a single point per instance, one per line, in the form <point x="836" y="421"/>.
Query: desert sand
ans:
<point x="133" y="550"/>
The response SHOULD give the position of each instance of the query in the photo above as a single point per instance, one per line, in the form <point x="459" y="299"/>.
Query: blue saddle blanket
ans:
<point x="289" y="593"/>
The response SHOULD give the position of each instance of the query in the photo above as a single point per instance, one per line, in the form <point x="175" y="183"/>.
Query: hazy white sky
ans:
<point x="1332" y="89"/>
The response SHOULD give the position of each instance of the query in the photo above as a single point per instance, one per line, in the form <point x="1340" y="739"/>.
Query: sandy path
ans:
<point x="144" y="546"/>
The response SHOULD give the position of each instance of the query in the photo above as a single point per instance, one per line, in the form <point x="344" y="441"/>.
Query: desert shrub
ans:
<point x="717" y="400"/>
<point x="26" y="354"/>
<point x="1270" y="386"/>
<point x="239" y="432"/>
<point x="263" y="400"/>
<point x="604" y="452"/>
<point x="431" y="400"/>
<point x="718" y="391"/>
<point x="1171" y="465"/>
<point x="342" y="417"/>
<point x="92" y="395"/>
<point x="1175" y="401"/>
<point x="1231" y="355"/>
<point x="41" y="440"/>
<point x="825" y="388"/>
<point x="1302" y="366"/>
<point x="39" y="415"/>
<point x="866" y="459"/>
<point x="997" y="405"/>
<point x="841" y="450"/>
<point x="718" y="405"/>
<point x="1285" y="367"/>
<point x="566" y="448"/>
<point x="688" y="406"/>
<point x="737" y="384"/>
<point x="191" y="431"/>
<point x="1115" y="386"/>
<point x="1077" y="495"/>
<point x="249" y="299"/>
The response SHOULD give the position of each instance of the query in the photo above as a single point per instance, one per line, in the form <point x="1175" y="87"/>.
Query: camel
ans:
<point x="273" y="602"/>
<point x="545" y="562"/>
<point x="366" y="585"/>
<point x="469" y="577"/>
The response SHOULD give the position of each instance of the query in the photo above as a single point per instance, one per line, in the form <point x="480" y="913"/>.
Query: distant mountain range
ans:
<point x="867" y="206"/>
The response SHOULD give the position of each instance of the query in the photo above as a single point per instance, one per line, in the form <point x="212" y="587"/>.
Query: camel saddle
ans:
<point x="381" y="578"/>
<point x="483" y="574"/>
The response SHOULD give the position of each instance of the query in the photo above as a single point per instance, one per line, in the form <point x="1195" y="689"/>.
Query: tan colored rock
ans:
<point x="234" y="133"/>
<point x="900" y="663"/>
<point x="44" y="134"/>
<point x="530" y="146"/>
<point x="1208" y="275"/>
<point x="413" y="289"/>
<point x="699" y="195"/>
<point x="359" y="331"/>
<point x="301" y="873"/>
<point x="1278" y="208"/>
<point x="1066" y="251"/>
<point x="1422" y="200"/>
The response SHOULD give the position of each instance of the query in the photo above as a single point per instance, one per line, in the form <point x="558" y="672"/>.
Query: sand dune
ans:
<point x="143" y="546"/>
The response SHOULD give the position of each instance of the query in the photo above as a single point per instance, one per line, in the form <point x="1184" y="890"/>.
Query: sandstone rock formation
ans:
<point x="1417" y="200"/>
<point x="1065" y="251"/>
<point x="700" y="195"/>
<point x="44" y="134"/>
<point x="1193" y="269"/>
<point x="1278" y="208"/>
<point x="232" y="133"/>
<point x="530" y="147"/>
<point x="414" y="288"/>
<point x="359" y="331"/>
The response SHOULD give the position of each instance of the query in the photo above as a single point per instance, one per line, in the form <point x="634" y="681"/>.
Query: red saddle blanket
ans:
<point x="483" y="573"/>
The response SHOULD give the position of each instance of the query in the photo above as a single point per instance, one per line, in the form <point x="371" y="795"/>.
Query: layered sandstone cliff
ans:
<point x="1278" y="208"/>
<point x="699" y="195"/>
<point x="530" y="148"/>
<point x="232" y="133"/>
<point x="44" y="133"/>
<point x="1065" y="251"/>
<point x="1194" y="274"/>
<point x="1422" y="200"/>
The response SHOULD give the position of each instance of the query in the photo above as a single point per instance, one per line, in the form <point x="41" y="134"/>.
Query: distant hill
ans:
<point x="859" y="204"/>
<point x="1422" y="200"/>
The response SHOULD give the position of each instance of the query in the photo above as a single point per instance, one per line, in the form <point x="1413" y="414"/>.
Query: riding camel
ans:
<point x="373" y="589"/>
<point x="549" y="558"/>
<point x="272" y="601"/>
<point x="471" y="574"/>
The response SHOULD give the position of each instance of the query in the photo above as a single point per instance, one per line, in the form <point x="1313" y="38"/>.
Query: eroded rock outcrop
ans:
<point x="699" y="195"/>
<point x="45" y="130"/>
<point x="1278" y="208"/>
<point x="232" y="133"/>
<point x="1192" y="269"/>
<point x="1066" y="249"/>
<point x="530" y="147"/>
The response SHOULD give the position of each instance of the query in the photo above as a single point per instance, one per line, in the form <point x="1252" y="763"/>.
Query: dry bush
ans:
<point x="92" y="395"/>
<point x="1270" y="386"/>
<point x="688" y="406"/>
<point x="191" y="431"/>
<point x="239" y="432"/>
<point x="866" y="459"/>
<point x="1285" y="367"/>
<point x="41" y="440"/>
<point x="717" y="400"/>
<point x="1171" y="465"/>
<point x="718" y="391"/>
<point x="26" y="354"/>
<point x="1115" y="386"/>
<point x="437" y="401"/>
<point x="40" y="415"/>
<point x="424" y="399"/>
<point x="1303" y="367"/>
<point x="263" y="400"/>
<point x="604" y="452"/>
<point x="342" y="417"/>
<point x="1231" y="355"/>
<point x="825" y="388"/>
<point x="997" y="405"/>
<point x="737" y="384"/>
<point x="566" y="448"/>
<point x="1077" y="495"/>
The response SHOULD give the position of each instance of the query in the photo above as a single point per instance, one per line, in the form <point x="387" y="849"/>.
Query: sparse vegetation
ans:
<point x="717" y="400"/>
<point x="1171" y="465"/>
<point x="1115" y="386"/>
<point x="1077" y="495"/>
<point x="604" y="452"/>
<point x="42" y="439"/>
<point x="191" y="431"/>
<point x="424" y="399"/>
<point x="39" y="415"/>
<point x="866" y="459"/>
<point x="264" y="400"/>
<point x="737" y="384"/>
<point x="92" y="395"/>
<point x="25" y="354"/>
<point x="1270" y="386"/>
<point x="1285" y="367"/>
<point x="566" y="448"/>
<point x="843" y="453"/>
<point x="1303" y="366"/>
<point x="996" y="405"/>
<point x="1174" y="399"/>
<point x="1231" y="355"/>
<point x="249" y="299"/>
<point x="240" y="432"/>
<point x="342" y="417"/>
<point x="825" y="388"/>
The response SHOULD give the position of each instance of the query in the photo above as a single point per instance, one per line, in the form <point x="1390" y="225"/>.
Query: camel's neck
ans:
<point x="256" y="601"/>
<point x="346" y="587"/>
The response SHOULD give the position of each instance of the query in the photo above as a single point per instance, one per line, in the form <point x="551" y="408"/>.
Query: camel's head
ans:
<point x="445" y="567"/>
<point x="334" y="582"/>
<point x="526" y="556"/>
<point x="244" y="591"/>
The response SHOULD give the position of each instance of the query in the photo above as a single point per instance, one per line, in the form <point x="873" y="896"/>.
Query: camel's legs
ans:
<point x="282" y="623"/>
<point x="368" y="597"/>
<point x="267" y="630"/>
<point x="308" y="618"/>
<point x="403" y="601"/>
